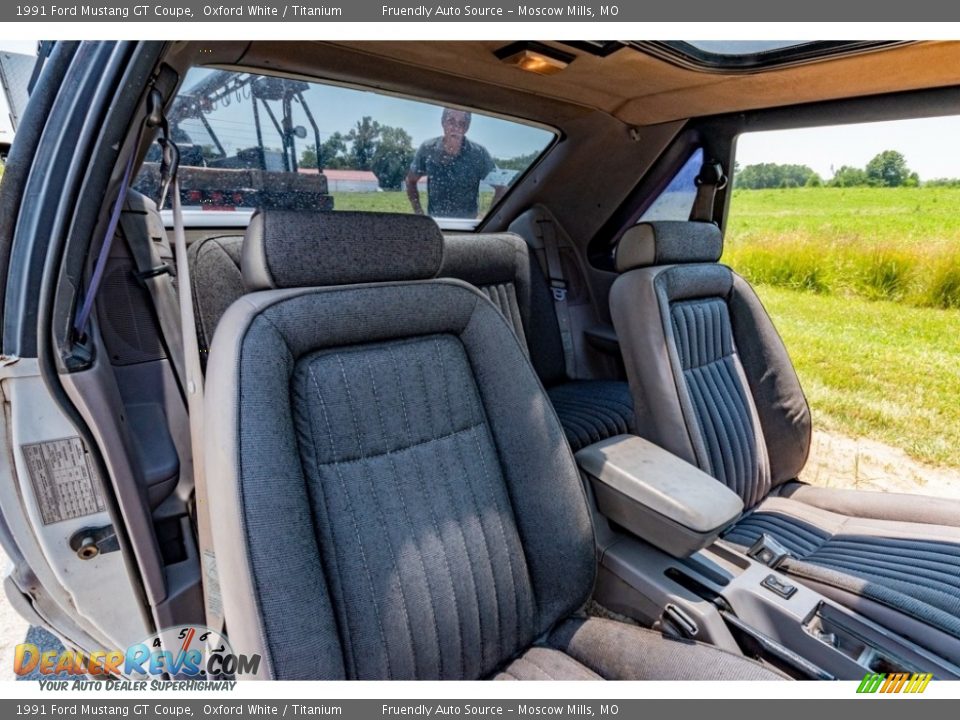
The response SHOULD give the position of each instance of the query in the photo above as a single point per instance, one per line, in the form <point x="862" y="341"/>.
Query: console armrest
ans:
<point x="657" y="496"/>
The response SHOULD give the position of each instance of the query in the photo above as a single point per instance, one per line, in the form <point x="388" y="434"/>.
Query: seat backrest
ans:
<point x="500" y="265"/>
<point x="395" y="497"/>
<point x="711" y="379"/>
<point x="216" y="283"/>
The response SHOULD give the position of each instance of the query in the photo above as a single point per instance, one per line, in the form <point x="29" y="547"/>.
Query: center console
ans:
<point x="657" y="521"/>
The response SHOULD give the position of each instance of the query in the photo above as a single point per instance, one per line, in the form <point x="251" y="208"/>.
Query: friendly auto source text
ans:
<point x="424" y="710"/>
<point x="428" y="11"/>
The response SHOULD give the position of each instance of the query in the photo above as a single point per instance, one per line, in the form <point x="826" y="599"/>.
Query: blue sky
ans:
<point x="930" y="146"/>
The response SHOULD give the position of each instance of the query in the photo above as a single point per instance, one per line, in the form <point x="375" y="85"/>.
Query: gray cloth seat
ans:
<point x="502" y="267"/>
<point x="394" y="494"/>
<point x="216" y="282"/>
<point x="713" y="384"/>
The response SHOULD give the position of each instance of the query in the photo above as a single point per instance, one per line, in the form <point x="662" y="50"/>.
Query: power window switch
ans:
<point x="779" y="587"/>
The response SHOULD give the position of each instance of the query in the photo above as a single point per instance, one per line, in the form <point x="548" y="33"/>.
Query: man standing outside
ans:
<point x="454" y="167"/>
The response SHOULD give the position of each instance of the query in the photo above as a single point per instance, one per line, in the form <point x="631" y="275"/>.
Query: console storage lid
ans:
<point x="656" y="495"/>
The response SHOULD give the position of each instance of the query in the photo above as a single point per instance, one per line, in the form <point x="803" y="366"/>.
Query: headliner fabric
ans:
<point x="666" y="242"/>
<point x="911" y="567"/>
<point x="288" y="248"/>
<point x="504" y="441"/>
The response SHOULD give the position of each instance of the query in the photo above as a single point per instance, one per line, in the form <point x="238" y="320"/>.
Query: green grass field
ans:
<point x="864" y="286"/>
<point x="390" y="201"/>
<point x="909" y="216"/>
<point x="900" y="244"/>
<point x="876" y="369"/>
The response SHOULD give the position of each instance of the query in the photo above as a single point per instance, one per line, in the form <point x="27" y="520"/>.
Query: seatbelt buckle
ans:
<point x="559" y="290"/>
<point x="768" y="551"/>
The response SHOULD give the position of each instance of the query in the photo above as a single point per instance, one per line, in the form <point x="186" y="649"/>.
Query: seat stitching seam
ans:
<point x="524" y="660"/>
<point x="382" y="518"/>
<point x="387" y="453"/>
<point x="530" y="659"/>
<point x="433" y="514"/>
<point x="476" y="504"/>
<point x="334" y="582"/>
<point x="503" y="538"/>
<point x="406" y="514"/>
<point x="353" y="518"/>
<point x="445" y="479"/>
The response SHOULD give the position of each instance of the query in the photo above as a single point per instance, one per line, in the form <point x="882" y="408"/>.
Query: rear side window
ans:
<point x="676" y="200"/>
<point x="249" y="141"/>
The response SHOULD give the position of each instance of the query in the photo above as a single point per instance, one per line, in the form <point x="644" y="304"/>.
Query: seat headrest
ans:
<point x="289" y="248"/>
<point x="667" y="242"/>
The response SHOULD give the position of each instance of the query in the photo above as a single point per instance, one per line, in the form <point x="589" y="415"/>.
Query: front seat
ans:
<point x="714" y="385"/>
<point x="393" y="494"/>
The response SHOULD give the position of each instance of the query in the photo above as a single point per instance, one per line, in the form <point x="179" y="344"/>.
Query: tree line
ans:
<point x="384" y="150"/>
<point x="887" y="169"/>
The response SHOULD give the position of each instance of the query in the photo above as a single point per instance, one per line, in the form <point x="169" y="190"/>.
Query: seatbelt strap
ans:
<point x="708" y="182"/>
<point x="86" y="308"/>
<point x="558" y="288"/>
<point x="213" y="603"/>
<point x="157" y="277"/>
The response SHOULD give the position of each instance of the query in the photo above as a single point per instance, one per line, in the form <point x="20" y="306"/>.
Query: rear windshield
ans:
<point x="249" y="141"/>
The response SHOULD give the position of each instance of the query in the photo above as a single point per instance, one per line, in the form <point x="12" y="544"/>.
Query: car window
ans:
<point x="676" y="200"/>
<point x="850" y="236"/>
<point x="250" y="141"/>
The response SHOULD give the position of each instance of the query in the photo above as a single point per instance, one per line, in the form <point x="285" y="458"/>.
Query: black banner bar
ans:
<point x="88" y="708"/>
<point x="481" y="11"/>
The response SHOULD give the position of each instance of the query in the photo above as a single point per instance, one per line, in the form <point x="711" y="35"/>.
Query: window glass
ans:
<point x="742" y="47"/>
<point x="850" y="235"/>
<point x="754" y="54"/>
<point x="676" y="200"/>
<point x="251" y="141"/>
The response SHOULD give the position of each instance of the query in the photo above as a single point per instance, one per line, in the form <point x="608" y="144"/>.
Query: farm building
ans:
<point x="347" y="180"/>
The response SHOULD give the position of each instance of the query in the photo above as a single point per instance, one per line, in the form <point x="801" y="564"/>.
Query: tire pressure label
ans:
<point x="62" y="479"/>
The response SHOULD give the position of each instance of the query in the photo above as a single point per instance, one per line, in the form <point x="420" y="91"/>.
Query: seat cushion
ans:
<point x="592" y="410"/>
<point x="617" y="651"/>
<point x="543" y="663"/>
<point x="911" y="567"/>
